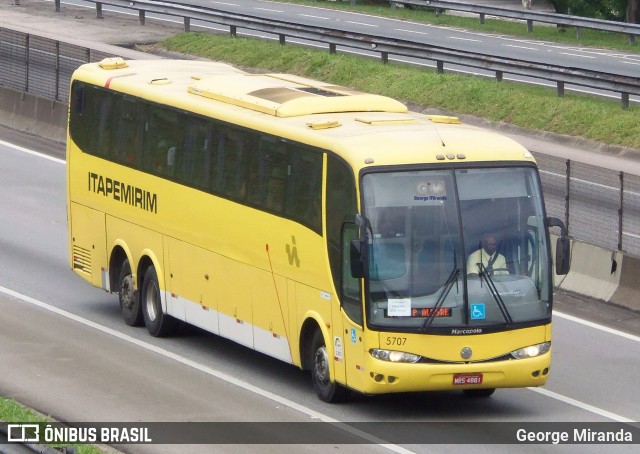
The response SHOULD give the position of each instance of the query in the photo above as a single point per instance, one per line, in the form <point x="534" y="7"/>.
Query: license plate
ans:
<point x="467" y="379"/>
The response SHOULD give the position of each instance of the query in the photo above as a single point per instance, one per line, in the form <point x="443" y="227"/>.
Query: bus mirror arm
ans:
<point x="563" y="247"/>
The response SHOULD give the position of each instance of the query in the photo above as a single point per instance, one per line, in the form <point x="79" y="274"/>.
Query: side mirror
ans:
<point x="563" y="255"/>
<point x="563" y="247"/>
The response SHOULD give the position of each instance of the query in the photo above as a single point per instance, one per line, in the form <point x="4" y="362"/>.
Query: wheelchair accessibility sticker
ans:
<point x="478" y="311"/>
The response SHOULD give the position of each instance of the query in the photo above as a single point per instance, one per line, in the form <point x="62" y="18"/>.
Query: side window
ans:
<point x="194" y="158"/>
<point x="233" y="151"/>
<point x="341" y="209"/>
<point x="161" y="140"/>
<point x="91" y="117"/>
<point x="304" y="187"/>
<point x="125" y="146"/>
<point x="267" y="176"/>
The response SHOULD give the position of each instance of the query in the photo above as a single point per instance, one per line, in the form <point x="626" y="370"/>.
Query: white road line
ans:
<point x="520" y="47"/>
<point x="582" y="405"/>
<point x="202" y="368"/>
<point x="31" y="152"/>
<point x="314" y="17"/>
<point x="361" y="23"/>
<point x="576" y="55"/>
<point x="269" y="10"/>
<point x="597" y="326"/>
<point x="464" y="39"/>
<point x="411" y="31"/>
<point x="631" y="62"/>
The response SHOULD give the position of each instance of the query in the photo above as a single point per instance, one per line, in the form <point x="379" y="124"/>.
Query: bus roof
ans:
<point x="364" y="129"/>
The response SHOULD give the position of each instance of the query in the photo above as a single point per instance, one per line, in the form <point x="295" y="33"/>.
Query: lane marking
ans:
<point x="269" y="10"/>
<point x="597" y="326"/>
<point x="581" y="405"/>
<point x="361" y="23"/>
<point x="411" y="31"/>
<point x="520" y="47"/>
<point x="576" y="55"/>
<point x="464" y="39"/>
<point x="32" y="152"/>
<point x="314" y="17"/>
<point x="202" y="368"/>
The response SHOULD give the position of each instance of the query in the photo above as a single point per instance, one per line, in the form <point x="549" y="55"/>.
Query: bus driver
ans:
<point x="487" y="255"/>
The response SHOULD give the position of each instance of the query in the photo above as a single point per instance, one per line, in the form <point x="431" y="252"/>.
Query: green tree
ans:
<point x="633" y="11"/>
<point x="599" y="9"/>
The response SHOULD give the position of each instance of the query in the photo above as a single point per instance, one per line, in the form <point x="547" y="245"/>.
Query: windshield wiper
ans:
<point x="452" y="279"/>
<point x="494" y="292"/>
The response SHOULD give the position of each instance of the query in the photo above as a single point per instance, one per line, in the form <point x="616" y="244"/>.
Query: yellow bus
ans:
<point x="328" y="228"/>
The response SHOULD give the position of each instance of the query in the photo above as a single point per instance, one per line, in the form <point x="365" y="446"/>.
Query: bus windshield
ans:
<point x="456" y="249"/>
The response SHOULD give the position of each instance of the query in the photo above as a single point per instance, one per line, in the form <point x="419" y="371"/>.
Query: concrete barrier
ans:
<point x="34" y="115"/>
<point x="601" y="274"/>
<point x="628" y="292"/>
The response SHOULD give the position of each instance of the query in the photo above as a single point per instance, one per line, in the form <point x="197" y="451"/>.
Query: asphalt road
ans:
<point x="65" y="351"/>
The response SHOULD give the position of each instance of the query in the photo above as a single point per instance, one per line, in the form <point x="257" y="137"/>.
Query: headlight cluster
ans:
<point x="394" y="356"/>
<point x="531" y="351"/>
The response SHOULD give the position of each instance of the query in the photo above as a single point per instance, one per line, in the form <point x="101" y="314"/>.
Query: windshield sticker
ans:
<point x="478" y="311"/>
<point x="400" y="307"/>
<point x="431" y="190"/>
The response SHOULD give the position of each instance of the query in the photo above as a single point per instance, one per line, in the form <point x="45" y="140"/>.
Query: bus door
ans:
<point x="352" y="333"/>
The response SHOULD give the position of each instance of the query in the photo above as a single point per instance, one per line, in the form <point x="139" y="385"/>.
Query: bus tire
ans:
<point x="475" y="393"/>
<point x="157" y="322"/>
<point x="129" y="303"/>
<point x="327" y="390"/>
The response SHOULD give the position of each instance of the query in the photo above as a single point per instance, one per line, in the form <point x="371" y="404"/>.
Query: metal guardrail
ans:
<point x="561" y="75"/>
<point x="632" y="30"/>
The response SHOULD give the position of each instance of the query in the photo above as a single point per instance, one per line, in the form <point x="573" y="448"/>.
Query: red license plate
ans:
<point x="467" y="379"/>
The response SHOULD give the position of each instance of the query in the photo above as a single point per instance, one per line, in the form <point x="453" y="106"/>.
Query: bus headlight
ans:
<point x="394" y="356"/>
<point x="531" y="351"/>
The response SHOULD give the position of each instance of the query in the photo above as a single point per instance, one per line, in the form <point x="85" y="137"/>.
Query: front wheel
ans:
<point x="129" y="303"/>
<point x="327" y="390"/>
<point x="157" y="322"/>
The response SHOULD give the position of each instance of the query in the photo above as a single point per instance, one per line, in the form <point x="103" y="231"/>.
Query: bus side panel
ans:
<point x="88" y="248"/>
<point x="190" y="284"/>
<point x="234" y="284"/>
<point x="141" y="242"/>
<point x="270" y="310"/>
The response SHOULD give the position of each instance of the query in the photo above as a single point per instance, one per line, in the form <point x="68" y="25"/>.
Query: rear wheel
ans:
<point x="157" y="322"/>
<point x="327" y="390"/>
<point x="129" y="304"/>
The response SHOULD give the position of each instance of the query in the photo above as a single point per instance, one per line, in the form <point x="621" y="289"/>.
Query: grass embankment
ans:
<point x="531" y="107"/>
<point x="11" y="411"/>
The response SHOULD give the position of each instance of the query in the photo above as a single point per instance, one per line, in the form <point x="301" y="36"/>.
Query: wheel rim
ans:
<point x="321" y="366"/>
<point x="126" y="293"/>
<point x="151" y="301"/>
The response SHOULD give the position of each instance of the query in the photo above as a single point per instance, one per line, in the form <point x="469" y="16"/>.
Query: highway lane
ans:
<point x="593" y="377"/>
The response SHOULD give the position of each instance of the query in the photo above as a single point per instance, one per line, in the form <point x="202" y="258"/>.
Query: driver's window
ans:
<point x="350" y="286"/>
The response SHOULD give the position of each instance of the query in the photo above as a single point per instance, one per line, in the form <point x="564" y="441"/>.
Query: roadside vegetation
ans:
<point x="531" y="107"/>
<point x="13" y="412"/>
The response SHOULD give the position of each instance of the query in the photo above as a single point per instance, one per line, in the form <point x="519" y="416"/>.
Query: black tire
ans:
<point x="129" y="303"/>
<point x="327" y="390"/>
<point x="157" y="322"/>
<point x="475" y="393"/>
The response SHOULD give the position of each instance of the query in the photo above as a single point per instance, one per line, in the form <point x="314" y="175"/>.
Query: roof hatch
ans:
<point x="290" y="96"/>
